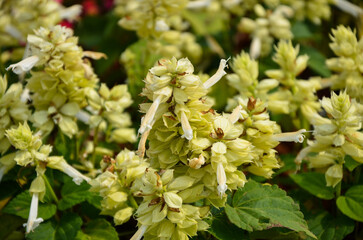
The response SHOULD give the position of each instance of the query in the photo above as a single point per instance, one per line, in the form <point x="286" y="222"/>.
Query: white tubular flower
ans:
<point x="196" y="163"/>
<point x="24" y="66"/>
<point x="297" y="136"/>
<point x="141" y="147"/>
<point x="61" y="164"/>
<point x="348" y="7"/>
<point x="161" y="26"/>
<point x="148" y="119"/>
<point x="188" y="131"/>
<point x="25" y="96"/>
<point x="255" y="49"/>
<point x="221" y="179"/>
<point x="218" y="75"/>
<point x="33" y="221"/>
<point x="71" y="13"/>
<point x="14" y="32"/>
<point x="83" y="116"/>
<point x="73" y="173"/>
<point x="236" y="114"/>
<point x="198" y="4"/>
<point x="139" y="233"/>
<point x="300" y="156"/>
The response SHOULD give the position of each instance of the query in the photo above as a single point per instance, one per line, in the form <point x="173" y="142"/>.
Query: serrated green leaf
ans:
<point x="98" y="229"/>
<point x="326" y="227"/>
<point x="20" y="206"/>
<point x="350" y="163"/>
<point x="73" y="194"/>
<point x="222" y="229"/>
<point x="351" y="204"/>
<point x="316" y="61"/>
<point x="258" y="207"/>
<point x="314" y="183"/>
<point x="68" y="227"/>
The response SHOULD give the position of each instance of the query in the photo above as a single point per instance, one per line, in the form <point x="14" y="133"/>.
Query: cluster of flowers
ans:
<point x="62" y="88"/>
<point x="194" y="154"/>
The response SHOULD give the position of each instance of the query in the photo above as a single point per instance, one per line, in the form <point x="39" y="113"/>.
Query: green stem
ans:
<point x="338" y="190"/>
<point x="49" y="187"/>
<point x="133" y="202"/>
<point x="76" y="152"/>
<point x="357" y="172"/>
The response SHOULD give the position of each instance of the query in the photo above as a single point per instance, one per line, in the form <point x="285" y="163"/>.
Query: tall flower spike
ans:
<point x="290" y="136"/>
<point x="218" y="75"/>
<point x="24" y="65"/>
<point x="139" y="233"/>
<point x="221" y="179"/>
<point x="147" y="120"/>
<point x="33" y="221"/>
<point x="188" y="131"/>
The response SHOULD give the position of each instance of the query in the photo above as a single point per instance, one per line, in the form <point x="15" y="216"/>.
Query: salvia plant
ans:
<point x="190" y="119"/>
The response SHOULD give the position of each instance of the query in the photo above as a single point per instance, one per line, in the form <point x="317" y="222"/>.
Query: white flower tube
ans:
<point x="198" y="4"/>
<point x="24" y="65"/>
<point x="236" y="114"/>
<point x="297" y="136"/>
<point x="348" y="7"/>
<point x="188" y="131"/>
<point x="300" y="156"/>
<point x="221" y="179"/>
<point x="255" y="49"/>
<point x="218" y="75"/>
<point x="83" y="116"/>
<point x="33" y="221"/>
<point x="14" y="32"/>
<point x="141" y="147"/>
<point x="148" y="119"/>
<point x="71" y="13"/>
<point x="139" y="233"/>
<point x="59" y="163"/>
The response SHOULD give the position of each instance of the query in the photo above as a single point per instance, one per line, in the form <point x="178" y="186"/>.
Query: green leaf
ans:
<point x="289" y="163"/>
<point x="275" y="234"/>
<point x="316" y="61"/>
<point x="326" y="227"/>
<point x="9" y="223"/>
<point x="258" y="207"/>
<point x="351" y="204"/>
<point x="45" y="231"/>
<point x="350" y="163"/>
<point x="73" y="194"/>
<point x="222" y="229"/>
<point x="20" y="206"/>
<point x="301" y="30"/>
<point x="98" y="229"/>
<point x="67" y="229"/>
<point x="314" y="183"/>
